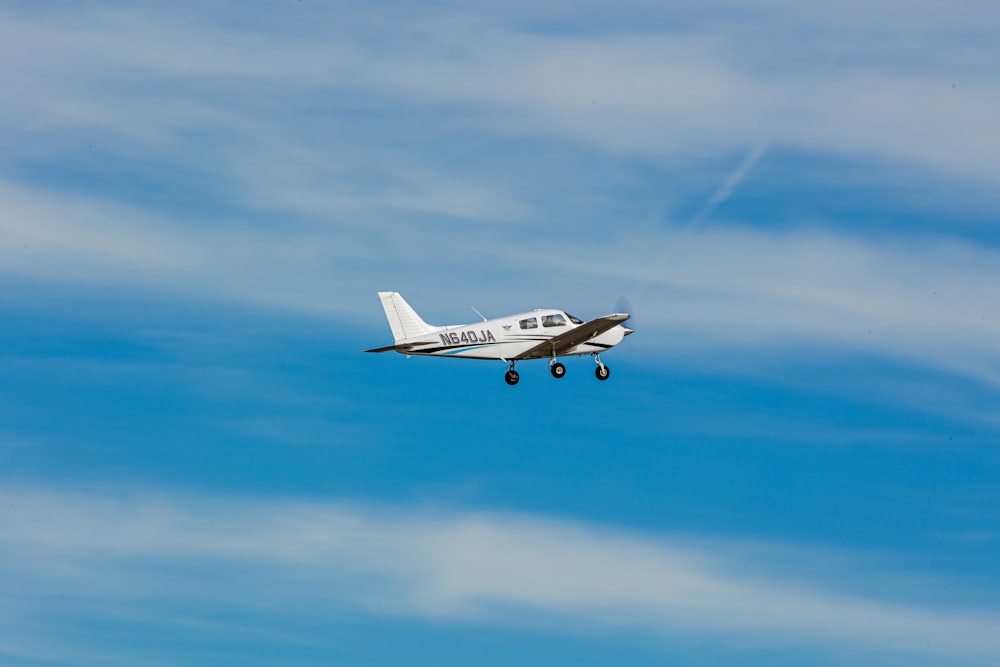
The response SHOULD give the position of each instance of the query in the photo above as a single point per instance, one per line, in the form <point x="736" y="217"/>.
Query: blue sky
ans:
<point x="795" y="459"/>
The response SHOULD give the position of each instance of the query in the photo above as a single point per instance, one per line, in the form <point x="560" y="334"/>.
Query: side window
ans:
<point x="553" y="320"/>
<point x="530" y="323"/>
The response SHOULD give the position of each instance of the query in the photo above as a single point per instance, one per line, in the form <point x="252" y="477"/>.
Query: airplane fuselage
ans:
<point x="510" y="337"/>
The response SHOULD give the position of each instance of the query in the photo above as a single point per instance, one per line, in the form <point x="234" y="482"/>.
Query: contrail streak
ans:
<point x="732" y="181"/>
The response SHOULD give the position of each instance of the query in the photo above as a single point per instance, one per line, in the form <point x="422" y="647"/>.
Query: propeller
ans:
<point x="623" y="305"/>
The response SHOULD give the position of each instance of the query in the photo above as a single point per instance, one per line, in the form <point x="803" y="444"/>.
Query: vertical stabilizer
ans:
<point x="403" y="320"/>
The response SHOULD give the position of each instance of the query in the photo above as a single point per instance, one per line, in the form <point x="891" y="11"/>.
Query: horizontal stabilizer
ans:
<point x="404" y="348"/>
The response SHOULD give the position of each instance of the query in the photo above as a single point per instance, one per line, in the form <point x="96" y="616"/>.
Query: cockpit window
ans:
<point x="574" y="320"/>
<point x="555" y="320"/>
<point x="530" y="323"/>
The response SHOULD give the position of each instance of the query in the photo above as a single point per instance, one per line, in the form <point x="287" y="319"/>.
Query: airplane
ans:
<point x="539" y="334"/>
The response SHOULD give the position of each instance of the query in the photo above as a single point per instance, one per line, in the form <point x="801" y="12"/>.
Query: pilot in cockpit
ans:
<point x="553" y="321"/>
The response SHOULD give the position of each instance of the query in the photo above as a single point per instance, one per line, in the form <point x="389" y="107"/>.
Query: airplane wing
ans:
<point x="573" y="337"/>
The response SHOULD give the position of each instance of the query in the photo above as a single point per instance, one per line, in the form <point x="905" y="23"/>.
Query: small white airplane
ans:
<point x="540" y="334"/>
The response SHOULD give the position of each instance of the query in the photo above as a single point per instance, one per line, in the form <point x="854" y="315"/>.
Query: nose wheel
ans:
<point x="602" y="372"/>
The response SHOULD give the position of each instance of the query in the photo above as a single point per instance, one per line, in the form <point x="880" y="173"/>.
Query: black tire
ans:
<point x="511" y="378"/>
<point x="557" y="370"/>
<point x="602" y="373"/>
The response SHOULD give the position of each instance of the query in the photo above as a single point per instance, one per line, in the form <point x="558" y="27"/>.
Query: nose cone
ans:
<point x="628" y="331"/>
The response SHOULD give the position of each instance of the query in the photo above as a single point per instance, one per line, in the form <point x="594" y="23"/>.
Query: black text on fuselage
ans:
<point x="468" y="337"/>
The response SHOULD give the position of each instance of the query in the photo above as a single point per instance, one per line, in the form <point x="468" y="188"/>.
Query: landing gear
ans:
<point x="511" y="377"/>
<point x="558" y="371"/>
<point x="602" y="372"/>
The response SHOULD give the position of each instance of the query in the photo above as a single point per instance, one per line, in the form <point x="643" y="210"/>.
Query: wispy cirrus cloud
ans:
<point x="125" y="550"/>
<point x="365" y="158"/>
<point x="926" y="301"/>
<point x="667" y="84"/>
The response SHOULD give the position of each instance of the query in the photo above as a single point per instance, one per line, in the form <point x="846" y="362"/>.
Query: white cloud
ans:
<point x="926" y="301"/>
<point x="280" y="117"/>
<point x="138" y="550"/>
<point x="848" y="83"/>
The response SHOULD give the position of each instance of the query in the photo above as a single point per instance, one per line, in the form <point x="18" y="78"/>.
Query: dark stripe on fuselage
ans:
<point x="434" y="350"/>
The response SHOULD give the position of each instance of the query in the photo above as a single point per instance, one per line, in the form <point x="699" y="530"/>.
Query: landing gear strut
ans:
<point x="511" y="377"/>
<point x="602" y="372"/>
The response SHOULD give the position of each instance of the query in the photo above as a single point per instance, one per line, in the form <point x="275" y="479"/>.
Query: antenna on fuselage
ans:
<point x="478" y="313"/>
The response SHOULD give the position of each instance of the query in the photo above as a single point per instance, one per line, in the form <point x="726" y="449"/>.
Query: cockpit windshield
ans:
<point x="574" y="320"/>
<point x="554" y="320"/>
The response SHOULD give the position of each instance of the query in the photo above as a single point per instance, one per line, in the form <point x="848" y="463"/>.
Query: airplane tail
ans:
<point x="403" y="320"/>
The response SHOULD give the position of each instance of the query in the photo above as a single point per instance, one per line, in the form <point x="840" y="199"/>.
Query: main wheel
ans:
<point x="602" y="372"/>
<point x="557" y="370"/>
<point x="511" y="377"/>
